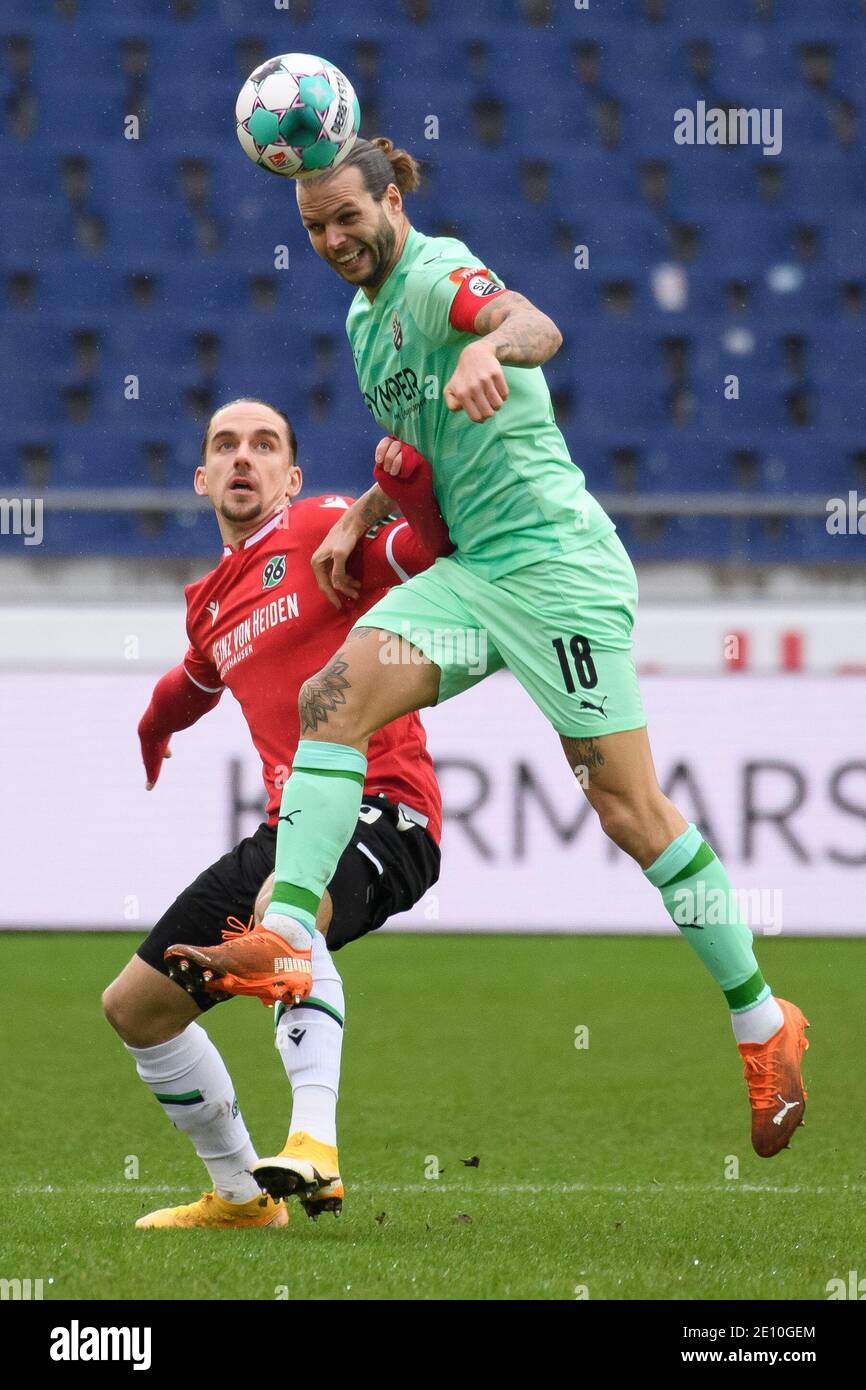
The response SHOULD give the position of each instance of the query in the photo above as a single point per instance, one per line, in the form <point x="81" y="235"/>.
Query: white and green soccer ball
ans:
<point x="297" y="115"/>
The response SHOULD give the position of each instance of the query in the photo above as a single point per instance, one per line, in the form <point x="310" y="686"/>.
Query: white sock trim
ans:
<point x="758" y="1024"/>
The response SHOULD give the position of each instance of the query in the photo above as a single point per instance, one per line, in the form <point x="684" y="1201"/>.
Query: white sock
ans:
<point x="309" y="1038"/>
<point x="759" y="1023"/>
<point x="189" y="1067"/>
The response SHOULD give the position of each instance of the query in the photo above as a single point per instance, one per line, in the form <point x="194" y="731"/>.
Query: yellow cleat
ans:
<point x="213" y="1211"/>
<point x="305" y="1169"/>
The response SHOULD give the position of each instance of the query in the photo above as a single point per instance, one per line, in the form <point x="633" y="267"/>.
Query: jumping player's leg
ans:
<point x="620" y="784"/>
<point x="369" y="682"/>
<point x="618" y="778"/>
<point x="564" y="628"/>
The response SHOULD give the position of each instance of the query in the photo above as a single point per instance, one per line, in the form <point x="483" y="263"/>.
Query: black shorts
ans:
<point x="388" y="864"/>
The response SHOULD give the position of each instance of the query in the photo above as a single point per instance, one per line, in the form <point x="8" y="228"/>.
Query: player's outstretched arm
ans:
<point x="176" y="703"/>
<point x="329" y="561"/>
<point x="512" y="333"/>
<point x="519" y="334"/>
<point x="406" y="477"/>
<point x="386" y="554"/>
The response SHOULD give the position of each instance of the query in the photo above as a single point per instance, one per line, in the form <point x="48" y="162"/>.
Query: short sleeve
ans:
<point x="444" y="298"/>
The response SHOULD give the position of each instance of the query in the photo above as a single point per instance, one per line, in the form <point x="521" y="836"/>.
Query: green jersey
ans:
<point x="507" y="488"/>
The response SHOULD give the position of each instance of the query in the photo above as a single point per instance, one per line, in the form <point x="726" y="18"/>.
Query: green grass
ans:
<point x="602" y="1167"/>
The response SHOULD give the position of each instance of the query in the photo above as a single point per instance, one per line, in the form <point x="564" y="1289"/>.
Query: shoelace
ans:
<point x="760" y="1077"/>
<point x="234" y="927"/>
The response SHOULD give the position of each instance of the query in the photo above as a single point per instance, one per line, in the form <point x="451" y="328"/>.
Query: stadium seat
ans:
<point x="120" y="272"/>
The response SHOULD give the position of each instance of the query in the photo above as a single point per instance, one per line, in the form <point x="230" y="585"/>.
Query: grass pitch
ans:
<point x="603" y="1171"/>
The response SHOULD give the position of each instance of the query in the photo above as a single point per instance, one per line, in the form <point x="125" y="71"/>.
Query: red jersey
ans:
<point x="259" y="625"/>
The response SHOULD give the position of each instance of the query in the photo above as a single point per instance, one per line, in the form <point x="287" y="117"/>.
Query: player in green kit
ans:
<point x="449" y="361"/>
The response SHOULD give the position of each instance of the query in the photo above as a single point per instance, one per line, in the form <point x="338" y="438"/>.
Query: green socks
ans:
<point x="318" y="812"/>
<point x="697" y="894"/>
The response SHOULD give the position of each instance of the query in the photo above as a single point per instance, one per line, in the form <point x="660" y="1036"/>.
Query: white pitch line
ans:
<point x="637" y="1189"/>
<point x="90" y="1189"/>
<point x="469" y="1189"/>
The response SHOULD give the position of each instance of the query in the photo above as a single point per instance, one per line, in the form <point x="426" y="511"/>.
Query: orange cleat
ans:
<point x="260" y="963"/>
<point x="775" y="1081"/>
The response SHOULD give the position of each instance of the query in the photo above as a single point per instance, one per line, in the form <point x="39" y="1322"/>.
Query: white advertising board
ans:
<point x="772" y="767"/>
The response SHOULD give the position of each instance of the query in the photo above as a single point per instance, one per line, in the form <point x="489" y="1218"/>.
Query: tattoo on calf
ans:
<point x="321" y="694"/>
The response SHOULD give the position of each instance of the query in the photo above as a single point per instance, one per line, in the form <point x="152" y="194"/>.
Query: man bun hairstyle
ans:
<point x="380" y="164"/>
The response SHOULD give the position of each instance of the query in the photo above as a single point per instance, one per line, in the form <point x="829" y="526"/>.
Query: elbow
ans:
<point x="555" y="338"/>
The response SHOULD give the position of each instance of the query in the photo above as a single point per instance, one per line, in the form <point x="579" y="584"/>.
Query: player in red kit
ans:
<point x="259" y="625"/>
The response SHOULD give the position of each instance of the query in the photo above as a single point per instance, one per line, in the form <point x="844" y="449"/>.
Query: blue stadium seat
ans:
<point x="36" y="226"/>
<point x="612" y="386"/>
<point x="843" y="12"/>
<point x="128" y="534"/>
<point x="844" y="241"/>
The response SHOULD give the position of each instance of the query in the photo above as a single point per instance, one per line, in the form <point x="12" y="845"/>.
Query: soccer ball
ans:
<point x="297" y="115"/>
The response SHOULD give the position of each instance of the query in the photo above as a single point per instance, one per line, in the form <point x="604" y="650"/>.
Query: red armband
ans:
<point x="476" y="290"/>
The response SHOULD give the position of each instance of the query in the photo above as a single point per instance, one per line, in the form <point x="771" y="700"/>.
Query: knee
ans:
<point x="324" y="710"/>
<point x="641" y="826"/>
<point x="619" y="821"/>
<point x="118" y="1009"/>
<point x="132" y="1022"/>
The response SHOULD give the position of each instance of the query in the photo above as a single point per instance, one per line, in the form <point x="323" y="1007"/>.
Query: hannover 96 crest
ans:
<point x="274" y="572"/>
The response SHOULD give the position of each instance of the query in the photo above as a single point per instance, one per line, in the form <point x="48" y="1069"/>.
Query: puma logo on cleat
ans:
<point x="786" y="1106"/>
<point x="305" y="967"/>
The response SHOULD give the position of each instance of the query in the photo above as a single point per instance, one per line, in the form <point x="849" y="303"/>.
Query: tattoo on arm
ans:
<point x="519" y="334"/>
<point x="374" y="507"/>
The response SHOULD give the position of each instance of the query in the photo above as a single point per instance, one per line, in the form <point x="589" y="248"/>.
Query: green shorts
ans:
<point x="563" y="626"/>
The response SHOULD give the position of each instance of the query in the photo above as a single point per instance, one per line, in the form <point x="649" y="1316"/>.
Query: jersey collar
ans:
<point x="263" y="531"/>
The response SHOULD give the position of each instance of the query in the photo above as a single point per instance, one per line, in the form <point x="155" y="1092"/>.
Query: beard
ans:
<point x="381" y="249"/>
<point x="244" y="508"/>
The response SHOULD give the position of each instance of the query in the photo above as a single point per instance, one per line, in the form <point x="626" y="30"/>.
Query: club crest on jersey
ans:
<point x="274" y="572"/>
<point x="397" y="331"/>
